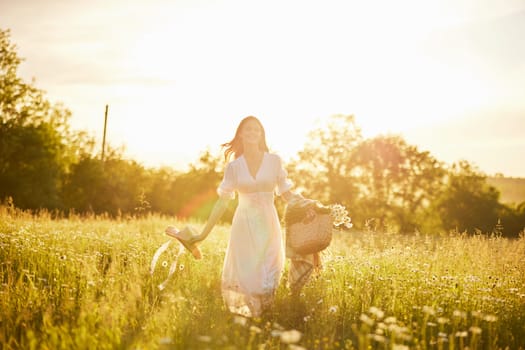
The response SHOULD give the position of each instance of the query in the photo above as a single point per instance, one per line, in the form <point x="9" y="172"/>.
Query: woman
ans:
<point x="255" y="255"/>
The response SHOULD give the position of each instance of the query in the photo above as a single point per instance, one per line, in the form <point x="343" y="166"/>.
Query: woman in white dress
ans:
<point x="255" y="255"/>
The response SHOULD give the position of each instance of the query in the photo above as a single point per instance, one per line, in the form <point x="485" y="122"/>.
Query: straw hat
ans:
<point x="186" y="237"/>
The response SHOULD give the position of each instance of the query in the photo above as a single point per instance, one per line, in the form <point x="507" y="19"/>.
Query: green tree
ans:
<point x="322" y="169"/>
<point x="32" y="168"/>
<point x="37" y="145"/>
<point x="396" y="183"/>
<point x="114" y="186"/>
<point x="381" y="180"/>
<point x="511" y="220"/>
<point x="159" y="195"/>
<point x="467" y="203"/>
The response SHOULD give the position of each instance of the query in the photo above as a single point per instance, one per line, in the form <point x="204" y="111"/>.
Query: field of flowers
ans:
<point x="85" y="283"/>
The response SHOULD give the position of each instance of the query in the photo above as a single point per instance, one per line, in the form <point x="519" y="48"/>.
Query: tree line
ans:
<point x="386" y="183"/>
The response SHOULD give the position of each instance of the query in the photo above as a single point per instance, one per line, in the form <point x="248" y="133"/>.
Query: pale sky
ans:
<point x="448" y="75"/>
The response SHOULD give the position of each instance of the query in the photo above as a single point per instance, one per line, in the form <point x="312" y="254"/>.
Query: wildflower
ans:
<point x="490" y="318"/>
<point x="378" y="338"/>
<point x="204" y="338"/>
<point x="475" y="330"/>
<point x="240" y="320"/>
<point x="397" y="330"/>
<point x="476" y="314"/>
<point x="428" y="310"/>
<point x="442" y="320"/>
<point x="181" y="267"/>
<point x="462" y="334"/>
<point x="164" y="264"/>
<point x="400" y="347"/>
<point x="390" y="319"/>
<point x="367" y="320"/>
<point x="378" y="313"/>
<point x="333" y="309"/>
<point x="291" y="337"/>
<point x="295" y="347"/>
<point x="459" y="314"/>
<point x="165" y="341"/>
<point x="340" y="215"/>
<point x="278" y="326"/>
<point x="255" y="329"/>
<point x="156" y="256"/>
<point x="275" y="333"/>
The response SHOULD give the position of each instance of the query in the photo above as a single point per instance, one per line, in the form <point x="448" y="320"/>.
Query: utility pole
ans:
<point x="104" y="136"/>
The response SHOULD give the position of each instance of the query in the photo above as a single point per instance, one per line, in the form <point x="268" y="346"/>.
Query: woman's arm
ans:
<point x="291" y="197"/>
<point x="218" y="210"/>
<point x="295" y="199"/>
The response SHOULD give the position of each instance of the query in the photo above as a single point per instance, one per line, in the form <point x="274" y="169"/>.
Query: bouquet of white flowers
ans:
<point x="340" y="215"/>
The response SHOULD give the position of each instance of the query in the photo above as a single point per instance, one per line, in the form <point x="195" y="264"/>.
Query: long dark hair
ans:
<point x="235" y="146"/>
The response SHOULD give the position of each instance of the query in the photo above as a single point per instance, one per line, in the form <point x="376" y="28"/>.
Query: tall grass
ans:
<point x="84" y="283"/>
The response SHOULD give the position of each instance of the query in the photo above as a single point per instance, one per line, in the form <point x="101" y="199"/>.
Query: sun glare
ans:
<point x="196" y="73"/>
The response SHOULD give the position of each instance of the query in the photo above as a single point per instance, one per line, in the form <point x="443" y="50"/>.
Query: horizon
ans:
<point x="179" y="76"/>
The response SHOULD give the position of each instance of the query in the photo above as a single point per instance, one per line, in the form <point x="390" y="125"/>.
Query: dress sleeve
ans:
<point x="283" y="183"/>
<point x="227" y="187"/>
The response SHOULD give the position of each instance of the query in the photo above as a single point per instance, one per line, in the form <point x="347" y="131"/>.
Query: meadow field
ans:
<point x="85" y="283"/>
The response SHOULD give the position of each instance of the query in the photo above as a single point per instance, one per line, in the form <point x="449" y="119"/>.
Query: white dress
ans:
<point x="255" y="255"/>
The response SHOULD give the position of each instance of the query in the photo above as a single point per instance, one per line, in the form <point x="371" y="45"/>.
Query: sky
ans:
<point x="179" y="75"/>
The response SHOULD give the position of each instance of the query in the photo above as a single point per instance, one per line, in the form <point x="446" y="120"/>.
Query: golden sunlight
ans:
<point x="178" y="77"/>
<point x="196" y="77"/>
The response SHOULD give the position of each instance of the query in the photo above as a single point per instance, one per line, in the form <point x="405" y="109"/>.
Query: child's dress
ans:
<point x="255" y="255"/>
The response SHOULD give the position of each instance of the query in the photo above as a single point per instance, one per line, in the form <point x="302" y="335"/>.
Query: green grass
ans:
<point x="84" y="283"/>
